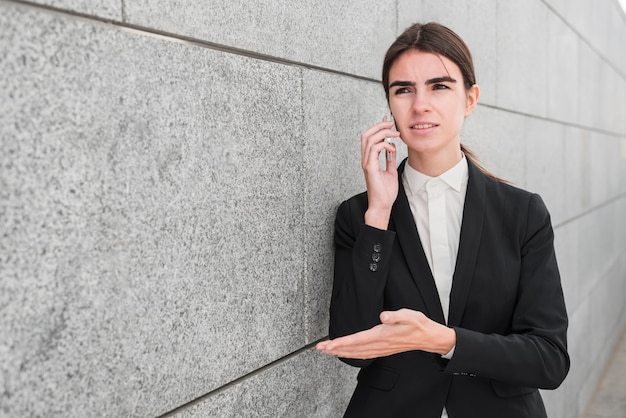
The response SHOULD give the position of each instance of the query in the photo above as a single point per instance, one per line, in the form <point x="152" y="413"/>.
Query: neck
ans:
<point x="434" y="164"/>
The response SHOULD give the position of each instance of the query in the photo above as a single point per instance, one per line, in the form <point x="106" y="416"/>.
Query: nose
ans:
<point x="421" y="103"/>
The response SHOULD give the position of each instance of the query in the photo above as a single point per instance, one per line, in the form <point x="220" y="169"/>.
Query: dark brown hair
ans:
<point x="437" y="39"/>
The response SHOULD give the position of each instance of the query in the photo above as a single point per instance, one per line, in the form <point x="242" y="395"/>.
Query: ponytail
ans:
<point x="474" y="160"/>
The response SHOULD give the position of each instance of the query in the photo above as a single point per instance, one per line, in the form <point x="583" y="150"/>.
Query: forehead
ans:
<point x="414" y="64"/>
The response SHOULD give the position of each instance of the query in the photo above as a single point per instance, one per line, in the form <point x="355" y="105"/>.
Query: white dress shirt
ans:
<point x="455" y="183"/>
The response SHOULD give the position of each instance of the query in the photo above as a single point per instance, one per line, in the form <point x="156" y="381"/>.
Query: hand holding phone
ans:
<point x="381" y="181"/>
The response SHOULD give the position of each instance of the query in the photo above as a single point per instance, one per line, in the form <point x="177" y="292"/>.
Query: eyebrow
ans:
<point x="428" y="82"/>
<point x="441" y="80"/>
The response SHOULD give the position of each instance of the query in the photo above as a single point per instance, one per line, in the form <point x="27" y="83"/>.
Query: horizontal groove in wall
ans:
<point x="560" y="122"/>
<point x="264" y="57"/>
<point x="186" y="39"/>
<point x="591" y="210"/>
<point x="585" y="40"/>
<point x="241" y="379"/>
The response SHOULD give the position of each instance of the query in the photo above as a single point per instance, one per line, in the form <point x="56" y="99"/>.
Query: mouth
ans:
<point x="424" y="126"/>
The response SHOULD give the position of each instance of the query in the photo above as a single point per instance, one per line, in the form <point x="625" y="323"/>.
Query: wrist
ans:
<point x="448" y="341"/>
<point x="377" y="218"/>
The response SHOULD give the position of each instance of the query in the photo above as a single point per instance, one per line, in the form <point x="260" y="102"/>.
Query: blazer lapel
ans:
<point x="403" y="223"/>
<point x="471" y="233"/>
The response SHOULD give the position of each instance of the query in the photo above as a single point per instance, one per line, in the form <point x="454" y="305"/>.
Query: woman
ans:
<point x="446" y="292"/>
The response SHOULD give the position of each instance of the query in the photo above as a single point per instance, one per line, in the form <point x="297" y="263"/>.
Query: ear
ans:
<point x="472" y="99"/>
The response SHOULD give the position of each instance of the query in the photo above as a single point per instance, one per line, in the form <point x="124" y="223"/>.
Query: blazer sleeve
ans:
<point x="360" y="273"/>
<point x="534" y="353"/>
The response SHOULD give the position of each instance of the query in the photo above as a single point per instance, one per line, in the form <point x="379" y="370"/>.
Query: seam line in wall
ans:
<point x="123" y="11"/>
<point x="144" y="30"/>
<point x="303" y="173"/>
<point x="239" y="380"/>
<point x="547" y="119"/>
<point x="591" y="210"/>
<point x="585" y="40"/>
<point x="264" y="57"/>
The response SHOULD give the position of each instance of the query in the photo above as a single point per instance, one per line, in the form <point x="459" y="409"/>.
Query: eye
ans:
<point x="402" y="90"/>
<point x="440" y="86"/>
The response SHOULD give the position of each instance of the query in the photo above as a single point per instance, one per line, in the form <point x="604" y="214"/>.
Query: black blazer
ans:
<point x="506" y="306"/>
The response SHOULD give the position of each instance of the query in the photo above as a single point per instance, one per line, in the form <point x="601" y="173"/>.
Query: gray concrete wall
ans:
<point x="170" y="172"/>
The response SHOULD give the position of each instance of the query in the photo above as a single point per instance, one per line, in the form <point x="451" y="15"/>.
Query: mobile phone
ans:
<point x="389" y="140"/>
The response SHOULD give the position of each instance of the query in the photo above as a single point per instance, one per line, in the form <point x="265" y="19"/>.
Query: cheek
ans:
<point x="457" y="110"/>
<point x="397" y="111"/>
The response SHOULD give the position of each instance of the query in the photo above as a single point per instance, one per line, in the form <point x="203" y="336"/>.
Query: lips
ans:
<point x="425" y="125"/>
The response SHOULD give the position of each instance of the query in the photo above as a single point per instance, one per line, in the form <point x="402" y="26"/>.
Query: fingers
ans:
<point x="391" y="159"/>
<point x="372" y="153"/>
<point x="322" y="346"/>
<point x="362" y="345"/>
<point x="384" y="125"/>
<point x="337" y="345"/>
<point x="382" y="340"/>
<point x="373" y="141"/>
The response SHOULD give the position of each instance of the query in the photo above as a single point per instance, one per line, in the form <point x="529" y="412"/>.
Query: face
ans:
<point x="429" y="103"/>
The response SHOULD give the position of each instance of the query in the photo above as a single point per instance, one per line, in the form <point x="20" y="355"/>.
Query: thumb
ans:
<point x="400" y="316"/>
<point x="389" y="317"/>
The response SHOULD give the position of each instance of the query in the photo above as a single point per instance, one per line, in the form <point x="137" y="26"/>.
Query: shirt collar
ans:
<point x="454" y="177"/>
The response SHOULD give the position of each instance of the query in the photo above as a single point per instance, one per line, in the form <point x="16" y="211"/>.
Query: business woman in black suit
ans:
<point x="476" y="340"/>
